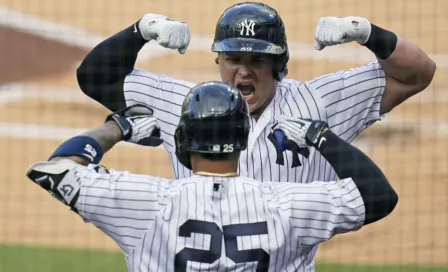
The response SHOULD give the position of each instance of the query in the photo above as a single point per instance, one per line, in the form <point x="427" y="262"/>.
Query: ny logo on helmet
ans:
<point x="248" y="27"/>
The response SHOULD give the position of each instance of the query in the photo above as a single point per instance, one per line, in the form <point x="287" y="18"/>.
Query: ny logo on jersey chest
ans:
<point x="288" y="145"/>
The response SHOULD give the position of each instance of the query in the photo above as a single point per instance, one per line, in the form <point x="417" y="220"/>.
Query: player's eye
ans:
<point x="232" y="59"/>
<point x="260" y="61"/>
<point x="235" y="61"/>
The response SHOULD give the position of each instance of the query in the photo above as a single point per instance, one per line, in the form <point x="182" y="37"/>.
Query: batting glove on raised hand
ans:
<point x="168" y="33"/>
<point x="137" y="125"/>
<point x="335" y="30"/>
<point x="303" y="132"/>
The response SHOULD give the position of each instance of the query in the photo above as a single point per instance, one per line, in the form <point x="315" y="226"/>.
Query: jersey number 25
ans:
<point x="230" y="233"/>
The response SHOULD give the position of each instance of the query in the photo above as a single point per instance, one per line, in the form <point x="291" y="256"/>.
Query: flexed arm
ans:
<point x="102" y="73"/>
<point x="118" y="203"/>
<point x="407" y="68"/>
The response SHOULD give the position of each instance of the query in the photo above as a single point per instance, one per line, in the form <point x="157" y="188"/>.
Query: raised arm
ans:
<point x="102" y="73"/>
<point x="134" y="124"/>
<point x="322" y="209"/>
<point x="408" y="70"/>
<point x="120" y="204"/>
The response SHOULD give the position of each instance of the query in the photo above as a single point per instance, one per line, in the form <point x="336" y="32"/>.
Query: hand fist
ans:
<point x="145" y="130"/>
<point x="303" y="132"/>
<point x="168" y="33"/>
<point x="335" y="30"/>
<point x="137" y="125"/>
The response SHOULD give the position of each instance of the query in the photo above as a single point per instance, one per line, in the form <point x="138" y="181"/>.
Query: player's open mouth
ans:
<point x="247" y="90"/>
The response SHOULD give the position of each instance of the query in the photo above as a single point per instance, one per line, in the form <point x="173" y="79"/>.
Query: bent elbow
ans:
<point x="431" y="71"/>
<point x="82" y="78"/>
<point x="426" y="75"/>
<point x="380" y="205"/>
<point x="393" y="201"/>
<point x="91" y="82"/>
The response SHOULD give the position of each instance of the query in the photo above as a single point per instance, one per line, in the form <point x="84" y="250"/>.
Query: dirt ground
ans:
<point x="412" y="153"/>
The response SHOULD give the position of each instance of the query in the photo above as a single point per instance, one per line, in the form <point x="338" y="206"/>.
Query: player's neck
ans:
<point x="220" y="168"/>
<point x="258" y="112"/>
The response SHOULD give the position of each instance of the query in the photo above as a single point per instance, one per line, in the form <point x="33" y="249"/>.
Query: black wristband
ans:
<point x="381" y="42"/>
<point x="135" y="30"/>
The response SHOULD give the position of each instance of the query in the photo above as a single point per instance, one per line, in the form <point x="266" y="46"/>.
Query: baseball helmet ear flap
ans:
<point x="181" y="141"/>
<point x="281" y="66"/>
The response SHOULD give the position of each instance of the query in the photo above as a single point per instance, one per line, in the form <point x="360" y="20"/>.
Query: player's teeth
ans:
<point x="249" y="96"/>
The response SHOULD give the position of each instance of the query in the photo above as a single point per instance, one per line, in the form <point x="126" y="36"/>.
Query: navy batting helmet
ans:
<point x="253" y="27"/>
<point x="214" y="120"/>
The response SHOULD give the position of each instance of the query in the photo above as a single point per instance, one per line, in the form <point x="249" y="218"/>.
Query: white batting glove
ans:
<point x="137" y="125"/>
<point x="168" y="33"/>
<point x="142" y="128"/>
<point x="335" y="30"/>
<point x="303" y="132"/>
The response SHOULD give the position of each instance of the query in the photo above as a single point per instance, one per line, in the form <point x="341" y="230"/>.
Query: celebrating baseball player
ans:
<point x="252" y="55"/>
<point x="214" y="220"/>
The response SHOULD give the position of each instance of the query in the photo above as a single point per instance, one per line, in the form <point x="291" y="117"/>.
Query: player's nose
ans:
<point x="244" y="70"/>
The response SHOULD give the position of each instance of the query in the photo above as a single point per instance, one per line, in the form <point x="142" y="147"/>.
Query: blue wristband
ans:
<point x="80" y="146"/>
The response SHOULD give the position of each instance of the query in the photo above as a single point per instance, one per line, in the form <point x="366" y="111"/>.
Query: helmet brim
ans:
<point x="247" y="45"/>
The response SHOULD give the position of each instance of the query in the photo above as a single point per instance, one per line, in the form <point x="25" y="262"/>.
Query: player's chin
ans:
<point x="254" y="106"/>
<point x="251" y="101"/>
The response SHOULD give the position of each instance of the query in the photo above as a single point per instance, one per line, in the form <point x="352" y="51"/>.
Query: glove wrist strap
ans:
<point x="314" y="133"/>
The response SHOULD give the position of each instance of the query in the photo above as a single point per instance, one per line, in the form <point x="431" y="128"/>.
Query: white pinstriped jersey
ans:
<point x="349" y="101"/>
<point x="216" y="224"/>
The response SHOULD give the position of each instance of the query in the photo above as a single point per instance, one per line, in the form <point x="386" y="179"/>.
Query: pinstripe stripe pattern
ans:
<point x="298" y="216"/>
<point x="349" y="101"/>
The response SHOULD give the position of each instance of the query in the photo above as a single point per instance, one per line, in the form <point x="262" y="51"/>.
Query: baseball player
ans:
<point x="252" y="55"/>
<point x="214" y="220"/>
